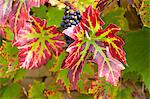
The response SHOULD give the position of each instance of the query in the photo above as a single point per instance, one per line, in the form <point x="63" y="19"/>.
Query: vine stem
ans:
<point x="69" y="4"/>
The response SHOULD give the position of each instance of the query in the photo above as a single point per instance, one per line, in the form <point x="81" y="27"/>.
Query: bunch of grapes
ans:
<point x="71" y="17"/>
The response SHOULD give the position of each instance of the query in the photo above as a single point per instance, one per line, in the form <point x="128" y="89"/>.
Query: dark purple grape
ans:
<point x="64" y="17"/>
<point x="67" y="21"/>
<point x="67" y="17"/>
<point x="79" y="16"/>
<point x="77" y="21"/>
<point x="77" y="12"/>
<point x="71" y="13"/>
<point x="66" y="12"/>
<point x="68" y="24"/>
<point x="67" y="8"/>
<point x="73" y="23"/>
<point x="72" y="17"/>
<point x="62" y="24"/>
<point x="65" y="26"/>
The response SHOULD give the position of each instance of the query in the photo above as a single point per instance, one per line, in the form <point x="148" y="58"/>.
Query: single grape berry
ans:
<point x="67" y="8"/>
<point x="77" y="21"/>
<point x="71" y="13"/>
<point x="66" y="12"/>
<point x="62" y="24"/>
<point x="64" y="17"/>
<point x="72" y="17"/>
<point x="77" y="12"/>
<point x="79" y="17"/>
<point x="65" y="26"/>
<point x="75" y="17"/>
<point x="73" y="23"/>
<point x="67" y="17"/>
<point x="68" y="24"/>
<point x="67" y="20"/>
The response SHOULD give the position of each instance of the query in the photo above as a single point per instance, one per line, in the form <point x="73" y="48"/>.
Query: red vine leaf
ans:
<point x="20" y="13"/>
<point x="2" y="33"/>
<point x="35" y="3"/>
<point x="102" y="4"/>
<point x="89" y="37"/>
<point x="77" y="54"/>
<point x="6" y="7"/>
<point x="108" y="36"/>
<point x="18" y="16"/>
<point x="37" y="43"/>
<point x="108" y="67"/>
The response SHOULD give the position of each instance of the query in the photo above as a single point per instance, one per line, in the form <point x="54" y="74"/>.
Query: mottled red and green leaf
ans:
<point x="37" y="43"/>
<point x="106" y="46"/>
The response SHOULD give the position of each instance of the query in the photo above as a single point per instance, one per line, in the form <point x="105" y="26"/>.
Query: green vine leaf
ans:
<point x="9" y="35"/>
<point x="8" y="60"/>
<point x="124" y="92"/>
<point x="82" y="4"/>
<point x="15" y="91"/>
<point x="37" y="90"/>
<point x="138" y="56"/>
<point x="20" y="73"/>
<point x="144" y="12"/>
<point x="56" y="63"/>
<point x="56" y="95"/>
<point x="40" y="12"/>
<point x="143" y="8"/>
<point x="84" y="82"/>
<point x="54" y="16"/>
<point x="116" y="16"/>
<point x="62" y="76"/>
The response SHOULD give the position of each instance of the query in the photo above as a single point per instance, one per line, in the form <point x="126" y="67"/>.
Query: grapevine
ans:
<point x="88" y="49"/>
